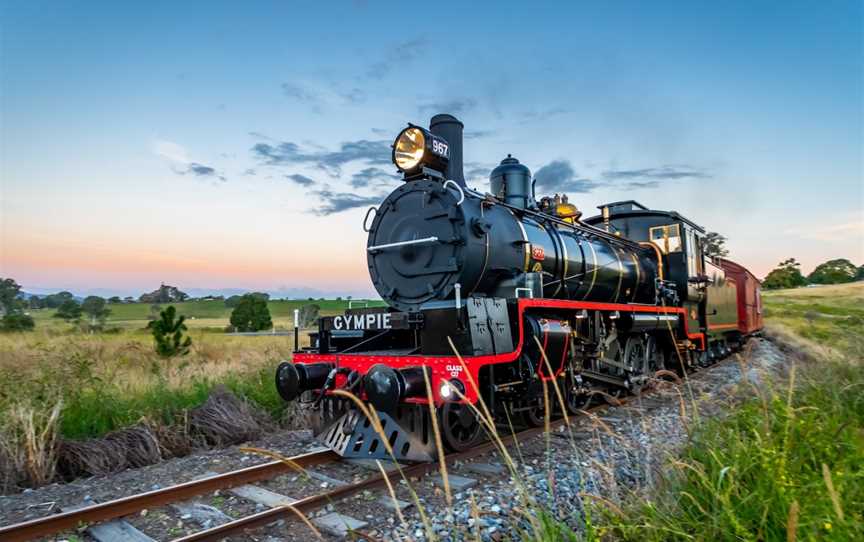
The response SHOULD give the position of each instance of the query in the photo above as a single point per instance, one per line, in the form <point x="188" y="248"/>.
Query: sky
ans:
<point x="214" y="145"/>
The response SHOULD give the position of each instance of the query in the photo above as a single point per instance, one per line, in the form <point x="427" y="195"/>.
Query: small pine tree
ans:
<point x="168" y="334"/>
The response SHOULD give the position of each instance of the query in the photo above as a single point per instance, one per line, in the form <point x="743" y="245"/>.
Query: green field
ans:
<point x="831" y="317"/>
<point x="206" y="314"/>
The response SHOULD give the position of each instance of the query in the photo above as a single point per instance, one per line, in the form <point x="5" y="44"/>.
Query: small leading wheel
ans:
<point x="534" y="415"/>
<point x="460" y="428"/>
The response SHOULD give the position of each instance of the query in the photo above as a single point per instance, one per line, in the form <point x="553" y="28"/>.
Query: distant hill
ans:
<point x="282" y="293"/>
<point x="300" y="292"/>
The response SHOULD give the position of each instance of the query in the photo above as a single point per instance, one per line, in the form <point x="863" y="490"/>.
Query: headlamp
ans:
<point x="416" y="148"/>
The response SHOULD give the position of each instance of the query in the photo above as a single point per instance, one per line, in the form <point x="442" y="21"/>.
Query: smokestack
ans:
<point x="450" y="128"/>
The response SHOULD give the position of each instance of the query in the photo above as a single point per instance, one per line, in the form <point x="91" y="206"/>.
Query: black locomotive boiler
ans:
<point x="493" y="293"/>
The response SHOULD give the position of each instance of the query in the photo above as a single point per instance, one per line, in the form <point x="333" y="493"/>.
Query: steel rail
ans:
<point x="314" y="502"/>
<point x="48" y="525"/>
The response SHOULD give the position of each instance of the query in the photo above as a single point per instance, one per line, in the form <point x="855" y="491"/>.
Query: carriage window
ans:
<point x="667" y="238"/>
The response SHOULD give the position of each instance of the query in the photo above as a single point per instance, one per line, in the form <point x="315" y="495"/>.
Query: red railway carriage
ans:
<point x="493" y="295"/>
<point x="749" y="296"/>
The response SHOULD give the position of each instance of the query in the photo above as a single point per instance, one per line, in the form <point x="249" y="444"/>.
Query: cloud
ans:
<point x="559" y="176"/>
<point x="477" y="134"/>
<point x="180" y="162"/>
<point x="171" y="151"/>
<point x="642" y="184"/>
<point x="475" y="170"/>
<point x="202" y="170"/>
<point x="849" y="230"/>
<point x="286" y="152"/>
<point x="299" y="92"/>
<point x="336" y="202"/>
<point x="399" y="55"/>
<point x="662" y="173"/>
<point x="249" y="171"/>
<point x="545" y="114"/>
<point x="320" y="97"/>
<point x="302" y="180"/>
<point x="199" y="170"/>
<point x="259" y="135"/>
<point x="354" y="96"/>
<point x="455" y="106"/>
<point x="312" y="99"/>
<point x="365" y="177"/>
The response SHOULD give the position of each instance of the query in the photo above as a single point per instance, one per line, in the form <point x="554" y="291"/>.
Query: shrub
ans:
<point x="251" y="314"/>
<point x="17" y="321"/>
<point x="68" y="310"/>
<point x="309" y="315"/>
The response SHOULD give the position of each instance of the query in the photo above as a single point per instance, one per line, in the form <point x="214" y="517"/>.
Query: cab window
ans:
<point x="694" y="253"/>
<point x="700" y="266"/>
<point x="667" y="238"/>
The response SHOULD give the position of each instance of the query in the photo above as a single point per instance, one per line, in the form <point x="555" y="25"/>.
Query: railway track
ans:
<point x="127" y="506"/>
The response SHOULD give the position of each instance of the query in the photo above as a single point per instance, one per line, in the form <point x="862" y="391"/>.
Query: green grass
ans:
<point x="95" y="408"/>
<point x="740" y="478"/>
<point x="787" y="463"/>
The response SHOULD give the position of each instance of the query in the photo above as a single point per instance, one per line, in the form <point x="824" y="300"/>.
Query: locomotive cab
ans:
<point x="678" y="240"/>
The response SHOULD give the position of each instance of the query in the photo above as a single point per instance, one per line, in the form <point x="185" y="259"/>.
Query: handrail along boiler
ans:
<point x="507" y="278"/>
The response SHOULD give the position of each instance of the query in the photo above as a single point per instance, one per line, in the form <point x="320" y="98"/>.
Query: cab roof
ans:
<point x="632" y="208"/>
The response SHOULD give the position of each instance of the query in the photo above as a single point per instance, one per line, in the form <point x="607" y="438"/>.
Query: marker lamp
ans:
<point x="448" y="389"/>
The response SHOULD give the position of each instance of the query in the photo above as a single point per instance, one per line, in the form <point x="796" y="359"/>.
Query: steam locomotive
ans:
<point x="491" y="295"/>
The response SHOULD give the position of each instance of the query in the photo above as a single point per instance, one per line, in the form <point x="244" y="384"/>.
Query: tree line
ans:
<point x="788" y="274"/>
<point x="249" y="312"/>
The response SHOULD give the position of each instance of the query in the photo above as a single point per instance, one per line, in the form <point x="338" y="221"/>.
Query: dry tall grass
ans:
<point x="59" y="387"/>
<point x="129" y="357"/>
<point x="28" y="445"/>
